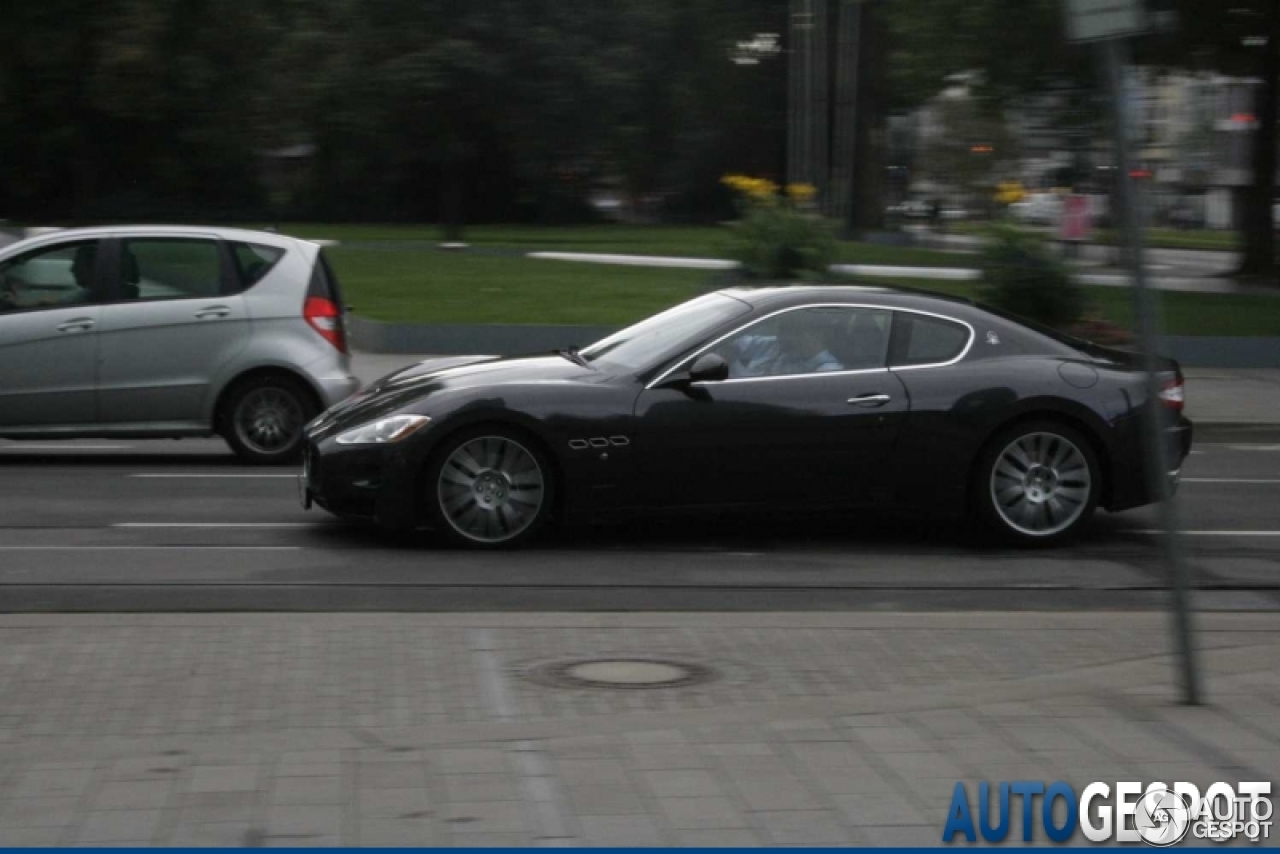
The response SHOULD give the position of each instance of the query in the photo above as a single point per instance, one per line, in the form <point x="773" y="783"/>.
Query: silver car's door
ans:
<point x="48" y="335"/>
<point x="177" y="319"/>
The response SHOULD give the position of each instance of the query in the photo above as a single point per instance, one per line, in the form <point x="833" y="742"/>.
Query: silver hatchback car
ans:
<point x="152" y="332"/>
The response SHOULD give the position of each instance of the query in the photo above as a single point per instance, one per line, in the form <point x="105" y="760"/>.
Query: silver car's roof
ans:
<point x="269" y="238"/>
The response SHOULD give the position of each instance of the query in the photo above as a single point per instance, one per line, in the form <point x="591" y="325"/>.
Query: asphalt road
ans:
<point x="128" y="525"/>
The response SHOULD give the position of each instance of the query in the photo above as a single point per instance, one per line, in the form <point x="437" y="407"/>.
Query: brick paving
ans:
<point x="423" y="729"/>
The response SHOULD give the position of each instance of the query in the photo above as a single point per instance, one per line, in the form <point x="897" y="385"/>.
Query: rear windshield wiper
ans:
<point x="572" y="354"/>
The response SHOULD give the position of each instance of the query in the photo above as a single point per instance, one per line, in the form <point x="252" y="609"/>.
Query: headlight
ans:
<point x="384" y="430"/>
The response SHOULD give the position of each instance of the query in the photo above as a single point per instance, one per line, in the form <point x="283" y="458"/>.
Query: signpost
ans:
<point x="1109" y="22"/>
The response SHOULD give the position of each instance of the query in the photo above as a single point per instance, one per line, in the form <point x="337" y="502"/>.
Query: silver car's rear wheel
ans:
<point x="269" y="419"/>
<point x="1037" y="482"/>
<point x="262" y="418"/>
<point x="491" y="490"/>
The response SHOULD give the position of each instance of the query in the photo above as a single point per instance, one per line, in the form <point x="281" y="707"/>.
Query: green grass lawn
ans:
<point x="430" y="286"/>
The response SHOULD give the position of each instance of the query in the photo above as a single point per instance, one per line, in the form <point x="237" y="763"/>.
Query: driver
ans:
<point x="802" y="348"/>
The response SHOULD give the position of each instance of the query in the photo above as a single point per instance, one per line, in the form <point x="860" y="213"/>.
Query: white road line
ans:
<point x="1219" y="533"/>
<point x="26" y="447"/>
<point x="148" y="548"/>
<point x="199" y="474"/>
<point x="1229" y="480"/>
<point x="1242" y="447"/>
<point x="217" y="525"/>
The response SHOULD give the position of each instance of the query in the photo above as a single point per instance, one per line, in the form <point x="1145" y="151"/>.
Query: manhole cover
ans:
<point x="621" y="673"/>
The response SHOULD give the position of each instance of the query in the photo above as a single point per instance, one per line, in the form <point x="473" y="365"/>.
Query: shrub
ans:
<point x="779" y="235"/>
<point x="1019" y="275"/>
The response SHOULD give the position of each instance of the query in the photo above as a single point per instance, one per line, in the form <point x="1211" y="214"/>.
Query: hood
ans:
<point x="406" y="387"/>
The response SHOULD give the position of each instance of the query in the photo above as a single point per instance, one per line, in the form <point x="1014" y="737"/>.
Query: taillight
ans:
<point x="1172" y="392"/>
<point x="325" y="317"/>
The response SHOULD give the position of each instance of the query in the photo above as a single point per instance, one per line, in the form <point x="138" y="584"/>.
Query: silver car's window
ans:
<point x="253" y="261"/>
<point x="53" y="277"/>
<point x="809" y="341"/>
<point x="155" y="268"/>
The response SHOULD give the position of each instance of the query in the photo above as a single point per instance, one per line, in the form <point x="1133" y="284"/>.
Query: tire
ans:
<point x="1036" y="483"/>
<point x="262" y="419"/>
<point x="489" y="488"/>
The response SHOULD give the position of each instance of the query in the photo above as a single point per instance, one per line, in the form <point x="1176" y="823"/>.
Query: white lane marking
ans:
<point x="1217" y="533"/>
<point x="198" y="474"/>
<point x="148" y="548"/>
<point x="1229" y="480"/>
<point x="26" y="447"/>
<point x="1196" y="452"/>
<point x="1253" y="447"/>
<point x="217" y="525"/>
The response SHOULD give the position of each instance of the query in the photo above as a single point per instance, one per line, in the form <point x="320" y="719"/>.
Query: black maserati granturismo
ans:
<point x="787" y="397"/>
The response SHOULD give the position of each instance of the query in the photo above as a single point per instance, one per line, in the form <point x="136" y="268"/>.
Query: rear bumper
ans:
<point x="1130" y="487"/>
<point x="335" y="388"/>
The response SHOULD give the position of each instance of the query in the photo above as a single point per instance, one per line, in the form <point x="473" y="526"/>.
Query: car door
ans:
<point x="177" y="319"/>
<point x="808" y="415"/>
<point x="49" y="313"/>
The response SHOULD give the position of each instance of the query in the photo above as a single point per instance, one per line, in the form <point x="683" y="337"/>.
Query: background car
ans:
<point x="168" y="332"/>
<point x="781" y="397"/>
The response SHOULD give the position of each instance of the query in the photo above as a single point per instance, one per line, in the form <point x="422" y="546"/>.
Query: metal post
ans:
<point x="1146" y="313"/>
<point x="846" y="118"/>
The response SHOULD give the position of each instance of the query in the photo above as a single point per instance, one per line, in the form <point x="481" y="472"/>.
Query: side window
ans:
<point x="53" y="277"/>
<point x="922" y="340"/>
<point x="809" y="341"/>
<point x="155" y="268"/>
<point x="253" y="261"/>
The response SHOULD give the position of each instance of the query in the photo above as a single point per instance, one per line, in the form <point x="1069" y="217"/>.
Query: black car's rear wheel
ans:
<point x="490" y="488"/>
<point x="1037" y="482"/>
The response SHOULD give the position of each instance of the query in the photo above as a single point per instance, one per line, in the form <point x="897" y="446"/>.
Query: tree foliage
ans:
<point x="422" y="109"/>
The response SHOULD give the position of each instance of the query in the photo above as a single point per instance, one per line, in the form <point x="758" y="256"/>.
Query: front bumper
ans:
<point x="375" y="482"/>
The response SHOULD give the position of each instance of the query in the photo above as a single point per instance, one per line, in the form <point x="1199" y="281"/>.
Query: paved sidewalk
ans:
<point x="427" y="729"/>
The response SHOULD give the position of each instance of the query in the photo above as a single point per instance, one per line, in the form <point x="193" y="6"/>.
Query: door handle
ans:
<point x="213" y="312"/>
<point x="870" y="400"/>
<point x="80" y="324"/>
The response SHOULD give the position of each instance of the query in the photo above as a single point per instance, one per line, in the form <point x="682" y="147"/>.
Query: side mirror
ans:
<point x="708" y="368"/>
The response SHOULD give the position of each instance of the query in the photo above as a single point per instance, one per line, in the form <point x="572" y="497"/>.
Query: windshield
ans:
<point x="664" y="334"/>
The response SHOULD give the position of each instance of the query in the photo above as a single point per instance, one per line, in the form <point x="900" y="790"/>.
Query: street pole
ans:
<point x="1158" y="463"/>
<point x="848" y="58"/>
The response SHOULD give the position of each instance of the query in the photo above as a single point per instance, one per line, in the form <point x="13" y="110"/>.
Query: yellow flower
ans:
<point x="801" y="192"/>
<point x="760" y="189"/>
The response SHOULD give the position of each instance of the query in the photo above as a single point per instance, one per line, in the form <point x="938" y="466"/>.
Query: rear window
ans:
<point x="323" y="281"/>
<point x="253" y="261"/>
<point x="922" y="340"/>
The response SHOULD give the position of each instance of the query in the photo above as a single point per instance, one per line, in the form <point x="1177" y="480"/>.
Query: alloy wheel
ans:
<point x="1041" y="484"/>
<point x="269" y="420"/>
<point x="491" y="489"/>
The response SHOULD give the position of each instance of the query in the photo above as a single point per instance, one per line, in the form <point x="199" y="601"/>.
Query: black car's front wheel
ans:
<point x="490" y="488"/>
<point x="1037" y="483"/>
